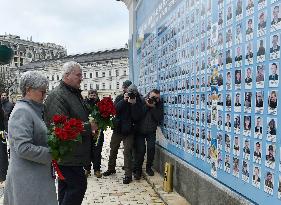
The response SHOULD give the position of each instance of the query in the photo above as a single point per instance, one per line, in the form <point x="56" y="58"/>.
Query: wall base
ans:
<point x="197" y="187"/>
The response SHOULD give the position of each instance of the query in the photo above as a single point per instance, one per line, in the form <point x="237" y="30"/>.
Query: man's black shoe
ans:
<point x="109" y="172"/>
<point x="127" y="180"/>
<point x="137" y="175"/>
<point x="149" y="172"/>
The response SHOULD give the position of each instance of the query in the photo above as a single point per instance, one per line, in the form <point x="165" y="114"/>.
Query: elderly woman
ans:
<point x="29" y="179"/>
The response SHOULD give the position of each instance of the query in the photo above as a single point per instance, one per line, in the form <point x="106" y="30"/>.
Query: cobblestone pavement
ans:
<point x="111" y="191"/>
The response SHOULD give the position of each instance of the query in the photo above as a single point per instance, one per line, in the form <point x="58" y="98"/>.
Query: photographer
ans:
<point x="129" y="109"/>
<point x="153" y="114"/>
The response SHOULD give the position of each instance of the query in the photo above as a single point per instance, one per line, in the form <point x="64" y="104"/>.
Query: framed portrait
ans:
<point x="238" y="34"/>
<point x="227" y="163"/>
<point x="227" y="144"/>
<point x="274" y="46"/>
<point x="247" y="125"/>
<point x="259" y="101"/>
<point x="250" y="7"/>
<point x="262" y="23"/>
<point x="220" y="20"/>
<point x="228" y="101"/>
<point x="249" y="78"/>
<point x="229" y="15"/>
<point x="258" y="127"/>
<point x="257" y="152"/>
<point x="249" y="53"/>
<point x="236" y="146"/>
<point x="260" y="76"/>
<point x="250" y="29"/>
<point x="237" y="123"/>
<point x="235" y="171"/>
<point x="275" y="18"/>
<point x="239" y="10"/>
<point x="238" y="56"/>
<point x="273" y="74"/>
<point x="261" y="50"/>
<point x="228" y="81"/>
<point x="269" y="182"/>
<point x="220" y="121"/>
<point x="246" y="149"/>
<point x="237" y="102"/>
<point x="245" y="171"/>
<point x="256" y="179"/>
<point x="229" y="37"/>
<point x="272" y="102"/>
<point x="270" y="155"/>
<point x="271" y="129"/>
<point x="248" y="102"/>
<point x="237" y="79"/>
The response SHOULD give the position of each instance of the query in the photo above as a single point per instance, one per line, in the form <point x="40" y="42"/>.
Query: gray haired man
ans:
<point x="66" y="99"/>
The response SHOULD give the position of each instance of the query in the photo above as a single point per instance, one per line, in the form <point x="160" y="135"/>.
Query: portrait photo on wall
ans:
<point x="227" y="139"/>
<point x="237" y="123"/>
<point x="261" y="50"/>
<point x="220" y="21"/>
<point x="236" y="146"/>
<point x="248" y="102"/>
<point x="272" y="102"/>
<point x="238" y="56"/>
<point x="229" y="37"/>
<point x="248" y="78"/>
<point x="228" y="101"/>
<point x="260" y="76"/>
<point x="270" y="156"/>
<point x="227" y="163"/>
<point x="249" y="53"/>
<point x="274" y="46"/>
<point x="220" y="82"/>
<point x="228" y="81"/>
<point x="246" y="149"/>
<point x="273" y="74"/>
<point x="247" y="126"/>
<point x="229" y="15"/>
<point x="259" y="101"/>
<point x="250" y="7"/>
<point x="261" y="4"/>
<point x="245" y="171"/>
<point x="235" y="167"/>
<point x="271" y="129"/>
<point x="257" y="152"/>
<point x="262" y="23"/>
<point x="239" y="10"/>
<point x="238" y="34"/>
<point x="256" y="180"/>
<point x="220" y="122"/>
<point x="250" y="29"/>
<point x="275" y="18"/>
<point x="258" y="127"/>
<point x="237" y="79"/>
<point x="269" y="182"/>
<point x="279" y="187"/>
<point x="228" y="59"/>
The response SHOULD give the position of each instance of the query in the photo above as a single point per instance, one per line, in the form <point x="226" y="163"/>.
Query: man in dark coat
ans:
<point x="7" y="107"/>
<point x="96" y="148"/>
<point x="3" y="149"/>
<point x="129" y="108"/>
<point x="153" y="114"/>
<point x="66" y="99"/>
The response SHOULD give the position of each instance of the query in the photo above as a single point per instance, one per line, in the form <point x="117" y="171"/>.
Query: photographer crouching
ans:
<point x="153" y="115"/>
<point x="129" y="110"/>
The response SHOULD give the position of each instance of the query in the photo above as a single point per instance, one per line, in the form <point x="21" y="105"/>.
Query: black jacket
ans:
<point x="152" y="118"/>
<point x="69" y="102"/>
<point x="127" y="115"/>
<point x="7" y="107"/>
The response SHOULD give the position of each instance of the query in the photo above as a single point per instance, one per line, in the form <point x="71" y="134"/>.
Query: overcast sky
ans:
<point x="79" y="25"/>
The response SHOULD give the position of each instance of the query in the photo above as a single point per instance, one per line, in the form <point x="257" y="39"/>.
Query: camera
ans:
<point x="152" y="100"/>
<point x="132" y="95"/>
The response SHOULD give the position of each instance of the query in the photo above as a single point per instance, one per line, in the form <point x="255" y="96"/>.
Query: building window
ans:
<point x="110" y="87"/>
<point x="125" y="72"/>
<point x="85" y="86"/>
<point x="117" y="72"/>
<point x="91" y="86"/>
<point x="97" y="74"/>
<point x="117" y="85"/>
<point x="84" y="75"/>
<point x="58" y="77"/>
<point x="53" y="77"/>
<point x="97" y="86"/>
<point x="103" y="74"/>
<point x="103" y="86"/>
<point x="110" y="73"/>
<point x="91" y="75"/>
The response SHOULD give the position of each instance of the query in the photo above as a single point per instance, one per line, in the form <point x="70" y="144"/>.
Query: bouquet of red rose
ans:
<point x="102" y="114"/>
<point x="63" y="134"/>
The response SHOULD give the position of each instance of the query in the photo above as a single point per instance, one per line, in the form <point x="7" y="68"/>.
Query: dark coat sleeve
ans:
<point x="158" y="112"/>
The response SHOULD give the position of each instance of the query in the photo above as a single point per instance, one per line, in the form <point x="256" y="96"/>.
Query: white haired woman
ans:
<point x="29" y="179"/>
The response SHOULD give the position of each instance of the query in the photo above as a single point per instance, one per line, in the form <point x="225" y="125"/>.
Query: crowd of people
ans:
<point x="30" y="161"/>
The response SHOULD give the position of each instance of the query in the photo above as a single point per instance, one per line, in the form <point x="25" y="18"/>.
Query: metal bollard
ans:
<point x="168" y="177"/>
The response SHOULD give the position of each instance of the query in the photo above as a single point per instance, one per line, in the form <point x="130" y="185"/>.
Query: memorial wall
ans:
<point x="217" y="65"/>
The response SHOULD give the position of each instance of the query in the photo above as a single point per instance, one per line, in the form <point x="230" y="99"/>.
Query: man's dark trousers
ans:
<point x="71" y="191"/>
<point x="141" y="149"/>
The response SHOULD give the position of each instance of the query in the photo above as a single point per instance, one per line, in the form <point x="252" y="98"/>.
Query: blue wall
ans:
<point x="174" y="55"/>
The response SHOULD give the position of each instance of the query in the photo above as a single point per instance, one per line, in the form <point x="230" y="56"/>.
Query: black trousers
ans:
<point x="71" y="191"/>
<point x="141" y="148"/>
<point x="96" y="151"/>
<point x="3" y="161"/>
